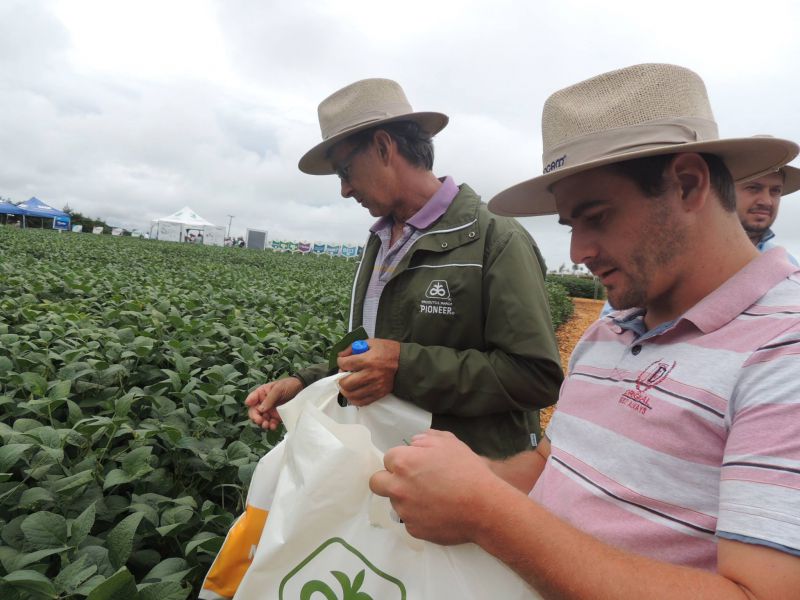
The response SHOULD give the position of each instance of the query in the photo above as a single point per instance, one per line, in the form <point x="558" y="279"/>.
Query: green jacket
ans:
<point x="469" y="306"/>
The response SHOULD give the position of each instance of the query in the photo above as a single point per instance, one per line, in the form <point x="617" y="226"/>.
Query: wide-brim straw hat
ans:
<point x="639" y="111"/>
<point x="362" y="105"/>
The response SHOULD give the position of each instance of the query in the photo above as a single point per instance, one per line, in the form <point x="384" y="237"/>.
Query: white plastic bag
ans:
<point x="328" y="537"/>
<point x="390" y="421"/>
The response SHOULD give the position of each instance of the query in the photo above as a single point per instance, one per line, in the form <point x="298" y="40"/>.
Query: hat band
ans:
<point x="365" y="117"/>
<point x="624" y="140"/>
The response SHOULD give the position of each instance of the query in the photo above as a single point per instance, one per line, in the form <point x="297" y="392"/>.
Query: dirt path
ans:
<point x="586" y="313"/>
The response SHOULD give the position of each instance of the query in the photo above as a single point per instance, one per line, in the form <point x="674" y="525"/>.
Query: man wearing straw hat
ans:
<point x="671" y="468"/>
<point x="758" y="200"/>
<point x="451" y="296"/>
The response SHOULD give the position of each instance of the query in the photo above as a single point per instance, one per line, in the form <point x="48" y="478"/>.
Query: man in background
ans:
<point x="758" y="201"/>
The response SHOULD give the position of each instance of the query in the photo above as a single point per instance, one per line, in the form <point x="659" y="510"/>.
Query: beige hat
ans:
<point x="791" y="180"/>
<point x="639" y="111"/>
<point x="359" y="106"/>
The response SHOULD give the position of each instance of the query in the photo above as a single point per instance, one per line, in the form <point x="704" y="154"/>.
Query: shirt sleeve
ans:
<point x="760" y="480"/>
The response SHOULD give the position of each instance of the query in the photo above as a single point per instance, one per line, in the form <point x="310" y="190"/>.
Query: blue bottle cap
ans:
<point x="360" y="346"/>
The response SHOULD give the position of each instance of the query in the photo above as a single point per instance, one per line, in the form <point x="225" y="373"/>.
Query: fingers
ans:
<point x="262" y="401"/>
<point x="257" y="395"/>
<point x="379" y="483"/>
<point x="362" y="388"/>
<point x="348" y="362"/>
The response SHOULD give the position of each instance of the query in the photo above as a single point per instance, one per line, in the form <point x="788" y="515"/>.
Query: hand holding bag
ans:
<point x="328" y="537"/>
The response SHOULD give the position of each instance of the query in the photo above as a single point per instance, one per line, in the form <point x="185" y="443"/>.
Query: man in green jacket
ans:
<point x="452" y="297"/>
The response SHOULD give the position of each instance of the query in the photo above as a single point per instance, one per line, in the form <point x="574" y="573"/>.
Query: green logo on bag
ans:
<point x="336" y="566"/>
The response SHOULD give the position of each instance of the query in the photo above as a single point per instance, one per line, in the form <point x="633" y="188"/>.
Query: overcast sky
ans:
<point x="129" y="110"/>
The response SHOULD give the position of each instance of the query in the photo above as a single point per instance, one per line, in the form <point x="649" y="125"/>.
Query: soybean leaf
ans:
<point x="120" y="539"/>
<point x="82" y="525"/>
<point x="10" y="454"/>
<point x="74" y="574"/>
<point x="120" y="586"/>
<point x="137" y="462"/>
<point x="169" y="569"/>
<point x="33" y="496"/>
<point x="45" y="530"/>
<point x="22" y="560"/>
<point x="116" y="477"/>
<point x="59" y="390"/>
<point x="72" y="482"/>
<point x="206" y="541"/>
<point x="166" y="590"/>
<point x="32" y="582"/>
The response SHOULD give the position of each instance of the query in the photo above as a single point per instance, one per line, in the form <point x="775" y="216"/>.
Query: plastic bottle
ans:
<point x="358" y="347"/>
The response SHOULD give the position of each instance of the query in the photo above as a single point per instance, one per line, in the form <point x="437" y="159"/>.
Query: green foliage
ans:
<point x="579" y="286"/>
<point x="561" y="306"/>
<point x="125" y="452"/>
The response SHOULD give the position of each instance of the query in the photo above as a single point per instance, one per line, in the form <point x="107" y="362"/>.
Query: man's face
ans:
<point x="757" y="202"/>
<point x="359" y="175"/>
<point x="632" y="242"/>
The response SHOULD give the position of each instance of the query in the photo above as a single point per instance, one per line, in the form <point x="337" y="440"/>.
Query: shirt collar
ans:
<point x="725" y="303"/>
<point x="765" y="237"/>
<point x="433" y="209"/>
<point x="742" y="290"/>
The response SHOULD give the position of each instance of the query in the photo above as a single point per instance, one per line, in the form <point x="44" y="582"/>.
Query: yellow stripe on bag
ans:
<point x="236" y="554"/>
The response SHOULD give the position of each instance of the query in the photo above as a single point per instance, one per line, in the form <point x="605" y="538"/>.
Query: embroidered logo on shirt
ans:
<point x="438" y="290"/>
<point x="638" y="399"/>
<point x="438" y="301"/>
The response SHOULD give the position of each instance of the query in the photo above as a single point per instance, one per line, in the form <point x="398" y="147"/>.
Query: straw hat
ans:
<point x="359" y="106"/>
<point x="639" y="111"/>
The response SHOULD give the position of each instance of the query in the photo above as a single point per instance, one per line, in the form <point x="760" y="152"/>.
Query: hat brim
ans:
<point x="316" y="161"/>
<point x="791" y="180"/>
<point x="746" y="158"/>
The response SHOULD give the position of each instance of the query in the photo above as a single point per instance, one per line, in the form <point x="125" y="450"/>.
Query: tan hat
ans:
<point x="361" y="105"/>
<point x="791" y="180"/>
<point x="639" y="111"/>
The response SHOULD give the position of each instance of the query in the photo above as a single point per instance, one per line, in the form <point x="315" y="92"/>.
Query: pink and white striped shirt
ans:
<point x="666" y="440"/>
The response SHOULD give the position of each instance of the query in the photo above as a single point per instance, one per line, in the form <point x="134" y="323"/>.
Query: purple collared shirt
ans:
<point x="390" y="255"/>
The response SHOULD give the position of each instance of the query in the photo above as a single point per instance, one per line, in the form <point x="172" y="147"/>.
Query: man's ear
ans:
<point x="384" y="144"/>
<point x="690" y="173"/>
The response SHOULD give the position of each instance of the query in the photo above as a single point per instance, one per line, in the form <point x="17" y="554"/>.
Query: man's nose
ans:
<point x="582" y="248"/>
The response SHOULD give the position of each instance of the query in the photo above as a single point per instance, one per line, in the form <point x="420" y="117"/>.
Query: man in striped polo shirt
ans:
<point x="672" y="466"/>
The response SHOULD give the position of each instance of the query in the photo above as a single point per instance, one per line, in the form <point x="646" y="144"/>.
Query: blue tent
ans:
<point x="7" y="208"/>
<point x="36" y="208"/>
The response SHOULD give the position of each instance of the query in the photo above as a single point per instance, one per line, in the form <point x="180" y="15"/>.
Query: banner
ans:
<point x="61" y="223"/>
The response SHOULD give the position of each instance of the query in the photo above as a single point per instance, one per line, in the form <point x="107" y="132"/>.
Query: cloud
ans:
<point x="131" y="112"/>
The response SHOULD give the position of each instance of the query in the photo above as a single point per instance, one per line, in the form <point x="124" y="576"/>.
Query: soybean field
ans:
<point x="125" y="451"/>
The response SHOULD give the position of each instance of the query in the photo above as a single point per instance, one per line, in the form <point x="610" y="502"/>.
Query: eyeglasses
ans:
<point x="343" y="170"/>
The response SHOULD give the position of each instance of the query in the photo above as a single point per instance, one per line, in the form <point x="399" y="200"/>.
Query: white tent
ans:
<point x="177" y="226"/>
